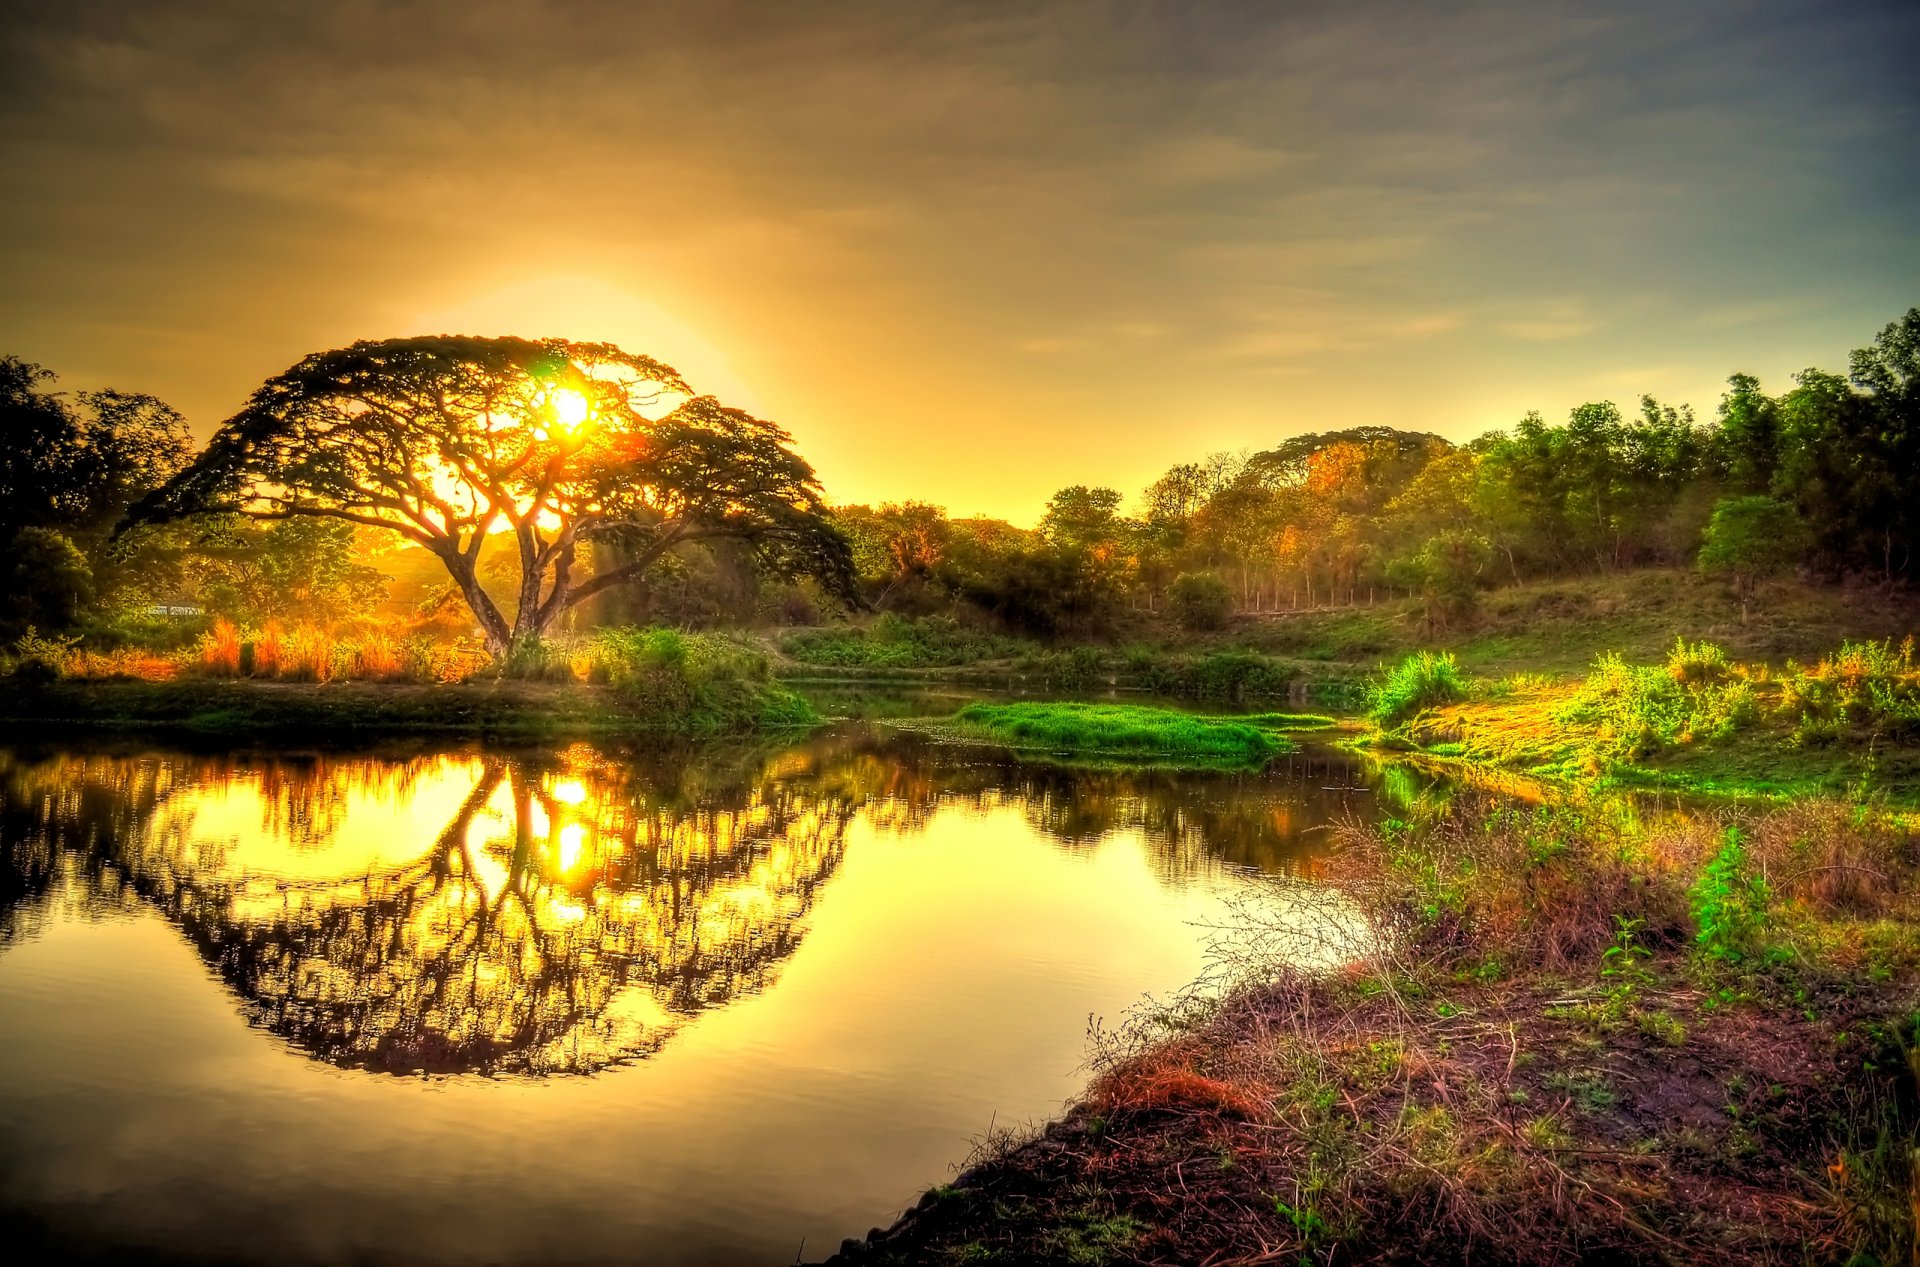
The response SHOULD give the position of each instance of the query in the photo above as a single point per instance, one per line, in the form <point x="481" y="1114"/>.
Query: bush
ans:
<point x="1869" y="687"/>
<point x="1425" y="679"/>
<point x="1701" y="662"/>
<point x="706" y="684"/>
<point x="1067" y="669"/>
<point x="1636" y="711"/>
<point x="1200" y="601"/>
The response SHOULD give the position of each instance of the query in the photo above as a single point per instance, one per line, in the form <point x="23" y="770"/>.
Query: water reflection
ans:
<point x="555" y="912"/>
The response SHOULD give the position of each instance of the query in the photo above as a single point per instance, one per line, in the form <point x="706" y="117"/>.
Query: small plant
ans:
<point x="1696" y="663"/>
<point x="1663" y="1028"/>
<point x="43" y="658"/>
<point x="1625" y="962"/>
<point x="1729" y="902"/>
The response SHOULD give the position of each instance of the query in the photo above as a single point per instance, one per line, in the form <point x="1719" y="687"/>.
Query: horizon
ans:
<point x="924" y="242"/>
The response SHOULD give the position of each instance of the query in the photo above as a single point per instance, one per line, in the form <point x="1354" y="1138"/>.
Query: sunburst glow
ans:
<point x="569" y="408"/>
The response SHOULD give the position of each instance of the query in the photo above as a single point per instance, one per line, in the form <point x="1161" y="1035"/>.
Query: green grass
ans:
<point x="1423" y="680"/>
<point x="1123" y="730"/>
<point x="1698" y="721"/>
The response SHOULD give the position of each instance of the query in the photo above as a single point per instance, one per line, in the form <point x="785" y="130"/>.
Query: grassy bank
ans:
<point x="1131" y="732"/>
<point x="1581" y="1038"/>
<point x="1694" y="720"/>
<point x="618" y="681"/>
<point x="346" y="710"/>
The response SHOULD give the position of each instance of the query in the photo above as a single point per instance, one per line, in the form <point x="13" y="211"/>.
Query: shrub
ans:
<point x="1067" y="669"/>
<point x="41" y="658"/>
<point x="1234" y="677"/>
<point x="1549" y="884"/>
<point x="891" y="642"/>
<point x="1200" y="601"/>
<point x="1636" y="711"/>
<point x="1701" y="662"/>
<point x="1872" y="687"/>
<point x="702" y="684"/>
<point x="1425" y="679"/>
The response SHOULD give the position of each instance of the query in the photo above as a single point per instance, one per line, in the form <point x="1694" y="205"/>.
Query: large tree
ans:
<point x="462" y="445"/>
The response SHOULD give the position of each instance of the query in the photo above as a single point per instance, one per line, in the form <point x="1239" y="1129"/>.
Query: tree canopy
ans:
<point x="459" y="443"/>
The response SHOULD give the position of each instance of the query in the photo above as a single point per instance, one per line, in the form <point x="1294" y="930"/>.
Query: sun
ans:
<point x="569" y="408"/>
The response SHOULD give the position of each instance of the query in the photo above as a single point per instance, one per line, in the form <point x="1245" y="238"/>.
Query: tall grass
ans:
<point x="1425" y="679"/>
<point x="1122" y="730"/>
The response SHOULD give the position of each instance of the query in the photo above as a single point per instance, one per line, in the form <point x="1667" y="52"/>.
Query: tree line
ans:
<point x="1824" y="476"/>
<point x="542" y="482"/>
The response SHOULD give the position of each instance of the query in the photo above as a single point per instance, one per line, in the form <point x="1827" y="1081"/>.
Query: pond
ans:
<point x="583" y="1005"/>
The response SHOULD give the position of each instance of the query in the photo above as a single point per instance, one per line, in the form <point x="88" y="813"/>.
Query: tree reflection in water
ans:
<point x="566" y="911"/>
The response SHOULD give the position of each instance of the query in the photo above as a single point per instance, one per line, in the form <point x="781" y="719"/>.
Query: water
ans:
<point x="576" y="1006"/>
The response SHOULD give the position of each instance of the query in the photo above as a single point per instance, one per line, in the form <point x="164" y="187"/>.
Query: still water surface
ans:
<point x="576" y="1006"/>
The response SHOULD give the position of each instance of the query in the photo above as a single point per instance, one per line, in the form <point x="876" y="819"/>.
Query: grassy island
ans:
<point x="1127" y="731"/>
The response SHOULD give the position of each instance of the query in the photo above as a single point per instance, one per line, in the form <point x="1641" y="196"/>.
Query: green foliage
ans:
<point x="891" y="642"/>
<point x="40" y="658"/>
<point x="48" y="580"/>
<point x="1200" y="601"/>
<point x="1752" y="537"/>
<point x="1425" y="679"/>
<point x="1122" y="730"/>
<point x="1698" y="662"/>
<point x="1729" y="902"/>
<point x="1066" y="669"/>
<point x="1232" y="676"/>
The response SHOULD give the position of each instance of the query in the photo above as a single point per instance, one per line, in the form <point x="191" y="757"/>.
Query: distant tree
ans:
<point x="900" y="546"/>
<point x="48" y="579"/>
<point x="1200" y="601"/>
<point x="68" y="470"/>
<point x="1447" y="572"/>
<point x="1749" y="538"/>
<point x="540" y="445"/>
<point x="1747" y="446"/>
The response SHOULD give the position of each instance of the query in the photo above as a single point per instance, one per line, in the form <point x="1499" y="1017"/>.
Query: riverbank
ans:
<point x="506" y="710"/>
<point x="1590" y="1039"/>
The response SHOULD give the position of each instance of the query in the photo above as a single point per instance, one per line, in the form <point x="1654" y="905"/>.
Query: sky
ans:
<point x="970" y="253"/>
